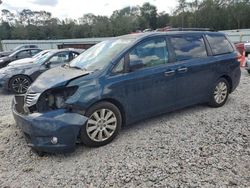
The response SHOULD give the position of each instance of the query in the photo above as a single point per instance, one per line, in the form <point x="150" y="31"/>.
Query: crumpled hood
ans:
<point x="21" y="61"/>
<point x="55" y="77"/>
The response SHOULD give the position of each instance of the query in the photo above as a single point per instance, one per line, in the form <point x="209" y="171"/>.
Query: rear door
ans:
<point x="225" y="57"/>
<point x="194" y="70"/>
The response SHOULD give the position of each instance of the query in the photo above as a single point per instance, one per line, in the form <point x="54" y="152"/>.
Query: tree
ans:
<point x="5" y="31"/>
<point x="216" y="14"/>
<point x="149" y="15"/>
<point x="182" y="5"/>
<point x="7" y="16"/>
<point x="163" y="19"/>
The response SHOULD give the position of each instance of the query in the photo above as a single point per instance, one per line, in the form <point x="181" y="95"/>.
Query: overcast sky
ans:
<point x="76" y="8"/>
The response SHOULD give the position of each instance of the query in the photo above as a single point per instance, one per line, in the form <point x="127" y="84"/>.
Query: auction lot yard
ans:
<point x="197" y="146"/>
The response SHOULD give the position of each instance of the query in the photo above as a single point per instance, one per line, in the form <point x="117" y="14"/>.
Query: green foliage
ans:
<point x="216" y="14"/>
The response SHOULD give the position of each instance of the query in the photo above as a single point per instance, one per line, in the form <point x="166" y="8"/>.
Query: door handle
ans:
<point x="182" y="70"/>
<point x="169" y="73"/>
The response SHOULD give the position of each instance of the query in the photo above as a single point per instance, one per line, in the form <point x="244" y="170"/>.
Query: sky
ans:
<point x="76" y="8"/>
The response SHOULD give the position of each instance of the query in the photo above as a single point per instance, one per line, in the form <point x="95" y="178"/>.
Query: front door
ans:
<point x="149" y="85"/>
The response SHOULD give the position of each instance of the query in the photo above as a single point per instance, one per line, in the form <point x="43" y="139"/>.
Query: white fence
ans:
<point x="48" y="44"/>
<point x="241" y="35"/>
<point x="235" y="35"/>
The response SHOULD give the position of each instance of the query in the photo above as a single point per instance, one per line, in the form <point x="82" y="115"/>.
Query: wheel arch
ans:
<point x="229" y="80"/>
<point x="117" y="104"/>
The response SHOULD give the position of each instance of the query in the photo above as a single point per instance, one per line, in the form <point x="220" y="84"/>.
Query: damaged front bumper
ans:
<point x="53" y="132"/>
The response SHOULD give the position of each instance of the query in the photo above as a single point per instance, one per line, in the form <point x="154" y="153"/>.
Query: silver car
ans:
<point x="248" y="63"/>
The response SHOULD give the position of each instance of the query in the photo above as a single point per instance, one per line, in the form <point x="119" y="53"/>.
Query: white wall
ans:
<point x="241" y="35"/>
<point x="48" y="44"/>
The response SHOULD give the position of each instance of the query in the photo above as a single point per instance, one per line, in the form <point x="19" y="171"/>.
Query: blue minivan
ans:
<point x="124" y="80"/>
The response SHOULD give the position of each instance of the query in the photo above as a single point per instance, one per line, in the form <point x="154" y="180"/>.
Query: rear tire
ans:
<point x="220" y="93"/>
<point x="19" y="84"/>
<point x="103" y="126"/>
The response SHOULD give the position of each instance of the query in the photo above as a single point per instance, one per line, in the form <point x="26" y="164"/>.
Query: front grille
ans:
<point x="31" y="98"/>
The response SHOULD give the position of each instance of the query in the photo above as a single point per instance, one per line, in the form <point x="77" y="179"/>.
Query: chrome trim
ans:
<point x="31" y="99"/>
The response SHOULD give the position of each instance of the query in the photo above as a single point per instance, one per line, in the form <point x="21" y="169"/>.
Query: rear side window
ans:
<point x="219" y="44"/>
<point x="188" y="47"/>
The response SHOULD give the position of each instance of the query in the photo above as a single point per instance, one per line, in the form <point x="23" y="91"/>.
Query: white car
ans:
<point x="30" y="59"/>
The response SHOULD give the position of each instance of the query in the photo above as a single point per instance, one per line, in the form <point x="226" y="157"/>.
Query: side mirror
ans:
<point x="47" y="64"/>
<point x="135" y="65"/>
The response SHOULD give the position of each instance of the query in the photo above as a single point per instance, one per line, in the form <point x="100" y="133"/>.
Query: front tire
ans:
<point x="103" y="125"/>
<point x="19" y="84"/>
<point x="220" y="93"/>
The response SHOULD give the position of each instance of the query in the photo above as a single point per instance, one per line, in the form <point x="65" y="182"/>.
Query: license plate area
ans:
<point x="19" y="104"/>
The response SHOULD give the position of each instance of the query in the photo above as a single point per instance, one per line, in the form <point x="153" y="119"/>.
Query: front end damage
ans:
<point x="53" y="131"/>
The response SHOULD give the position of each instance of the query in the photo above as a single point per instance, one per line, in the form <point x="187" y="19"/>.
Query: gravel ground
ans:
<point x="194" y="147"/>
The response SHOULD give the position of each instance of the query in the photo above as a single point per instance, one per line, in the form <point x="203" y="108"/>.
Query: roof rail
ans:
<point x="190" y="29"/>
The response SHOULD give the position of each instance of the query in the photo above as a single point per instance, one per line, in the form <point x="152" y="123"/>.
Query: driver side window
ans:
<point x="23" y="54"/>
<point x="149" y="53"/>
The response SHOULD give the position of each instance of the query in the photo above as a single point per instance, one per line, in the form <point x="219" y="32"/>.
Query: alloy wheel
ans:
<point x="20" y="85"/>
<point x="220" y="92"/>
<point x="101" y="125"/>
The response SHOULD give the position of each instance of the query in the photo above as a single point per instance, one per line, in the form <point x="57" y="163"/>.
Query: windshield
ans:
<point x="100" y="55"/>
<point x="18" y="48"/>
<point x="13" y="54"/>
<point x="43" y="58"/>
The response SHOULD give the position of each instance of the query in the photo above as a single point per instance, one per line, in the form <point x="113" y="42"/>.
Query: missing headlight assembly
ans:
<point x="55" y="98"/>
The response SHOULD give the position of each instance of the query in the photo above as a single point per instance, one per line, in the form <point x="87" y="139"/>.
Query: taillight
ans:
<point x="239" y="57"/>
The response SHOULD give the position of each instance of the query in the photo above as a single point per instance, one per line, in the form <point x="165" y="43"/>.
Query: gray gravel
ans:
<point x="194" y="147"/>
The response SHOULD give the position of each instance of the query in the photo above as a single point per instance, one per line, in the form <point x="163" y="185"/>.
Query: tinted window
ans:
<point x="219" y="44"/>
<point x="72" y="55"/>
<point x="150" y="53"/>
<point x="34" y="52"/>
<point x="23" y="54"/>
<point x="188" y="47"/>
<point x="61" y="57"/>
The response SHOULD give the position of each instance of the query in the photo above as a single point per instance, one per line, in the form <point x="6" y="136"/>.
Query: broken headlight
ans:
<point x="55" y="98"/>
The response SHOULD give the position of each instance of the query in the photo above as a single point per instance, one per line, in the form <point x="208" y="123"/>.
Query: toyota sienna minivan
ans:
<point x="124" y="80"/>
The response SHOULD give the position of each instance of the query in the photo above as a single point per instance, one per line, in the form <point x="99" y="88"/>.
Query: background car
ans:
<point x="242" y="53"/>
<point x="18" y="77"/>
<point x="20" y="54"/>
<point x="247" y="48"/>
<point x="29" y="59"/>
<point x="247" y="67"/>
<point x="7" y="53"/>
